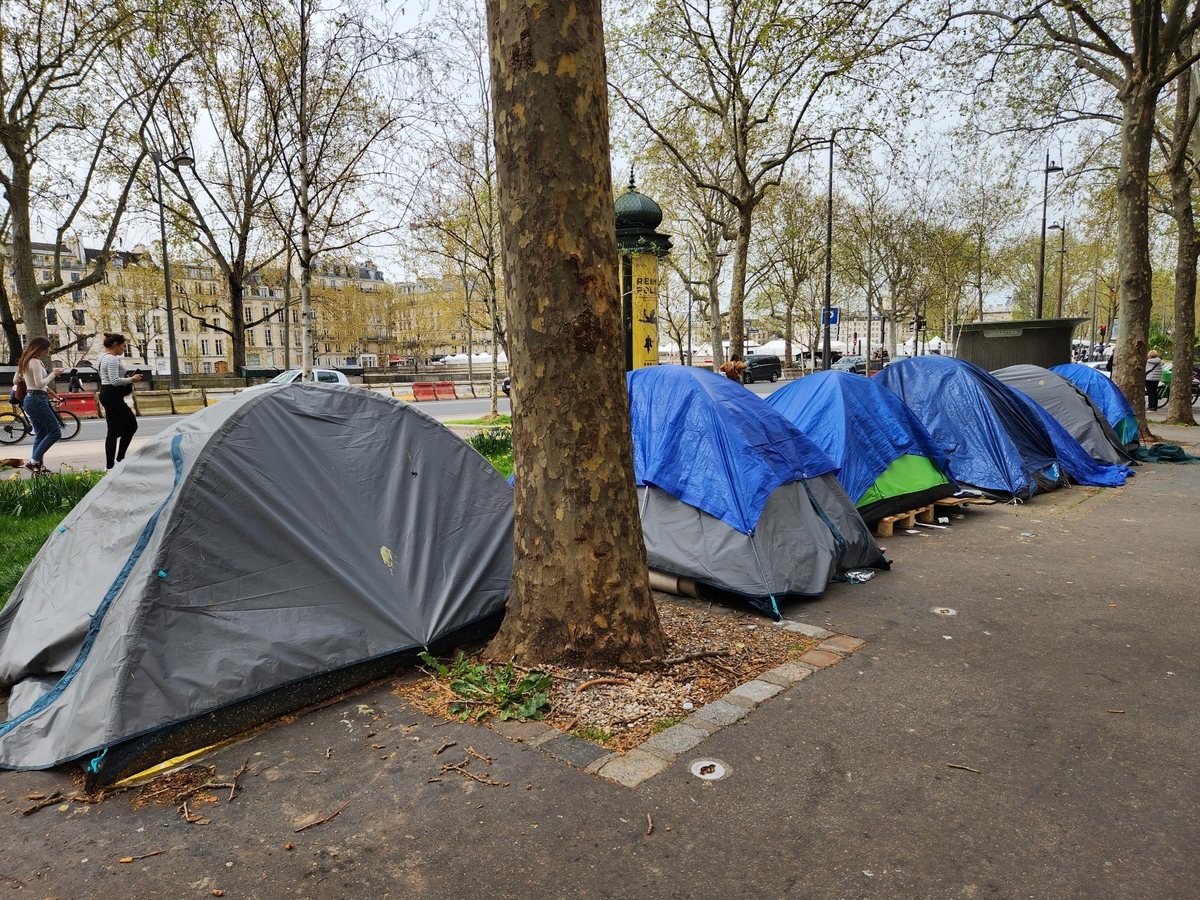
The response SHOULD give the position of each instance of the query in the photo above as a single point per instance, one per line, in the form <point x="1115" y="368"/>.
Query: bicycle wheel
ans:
<point x="70" y="424"/>
<point x="12" y="428"/>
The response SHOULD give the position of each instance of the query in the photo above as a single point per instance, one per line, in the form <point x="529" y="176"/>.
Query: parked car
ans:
<point x="764" y="367"/>
<point x="321" y="376"/>
<point x="856" y="364"/>
<point x="506" y="386"/>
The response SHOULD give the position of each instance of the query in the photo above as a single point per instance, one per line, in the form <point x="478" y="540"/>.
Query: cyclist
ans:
<point x="38" y="390"/>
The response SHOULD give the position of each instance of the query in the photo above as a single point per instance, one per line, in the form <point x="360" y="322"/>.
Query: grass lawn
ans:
<point x="502" y="462"/>
<point x="20" y="540"/>
<point x="501" y="419"/>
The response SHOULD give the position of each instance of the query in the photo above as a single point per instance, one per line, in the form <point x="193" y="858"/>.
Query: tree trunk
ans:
<point x="737" y="288"/>
<point x="24" y="275"/>
<point x="12" y="337"/>
<point x="580" y="587"/>
<point x="237" y="322"/>
<point x="1133" y="248"/>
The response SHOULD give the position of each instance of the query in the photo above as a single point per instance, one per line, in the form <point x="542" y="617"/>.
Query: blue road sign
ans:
<point x="833" y="316"/>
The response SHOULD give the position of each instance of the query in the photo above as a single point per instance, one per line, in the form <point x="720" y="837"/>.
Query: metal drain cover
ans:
<point x="944" y="611"/>
<point x="709" y="769"/>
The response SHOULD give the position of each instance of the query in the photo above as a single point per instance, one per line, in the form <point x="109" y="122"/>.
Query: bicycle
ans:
<point x="14" y="426"/>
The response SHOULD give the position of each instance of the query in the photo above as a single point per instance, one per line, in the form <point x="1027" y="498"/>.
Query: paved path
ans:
<point x="1077" y="603"/>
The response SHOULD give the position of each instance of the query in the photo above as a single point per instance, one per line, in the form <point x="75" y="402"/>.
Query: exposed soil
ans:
<point x="622" y="715"/>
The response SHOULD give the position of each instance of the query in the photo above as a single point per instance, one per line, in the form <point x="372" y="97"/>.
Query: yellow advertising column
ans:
<point x="640" y="246"/>
<point x="644" y="270"/>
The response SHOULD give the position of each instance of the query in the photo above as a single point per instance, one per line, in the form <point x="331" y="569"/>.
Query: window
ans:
<point x="204" y="348"/>
<point x="74" y="276"/>
<point x="326" y="348"/>
<point x="128" y="350"/>
<point x="250" y="338"/>
<point x="187" y="345"/>
<point x="206" y="368"/>
<point x="297" y="340"/>
<point x="249" y="315"/>
<point x="78" y="315"/>
<point x="220" y="347"/>
<point x="158" y="348"/>
<point x="279" y="317"/>
<point x="295" y="317"/>
<point x="178" y="288"/>
<point x="158" y="325"/>
<point x="266" y="312"/>
<point x="76" y="296"/>
<point x="183" y="324"/>
<point x="51" y="315"/>
<point x="267" y="337"/>
<point x="188" y="368"/>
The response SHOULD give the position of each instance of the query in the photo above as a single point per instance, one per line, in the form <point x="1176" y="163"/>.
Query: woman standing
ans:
<point x="31" y="368"/>
<point x="115" y="385"/>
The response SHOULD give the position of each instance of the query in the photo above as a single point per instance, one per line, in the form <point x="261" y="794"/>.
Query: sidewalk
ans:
<point x="1068" y="678"/>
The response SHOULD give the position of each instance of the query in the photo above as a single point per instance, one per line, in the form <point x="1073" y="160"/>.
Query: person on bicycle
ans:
<point x="38" y="390"/>
<point x="115" y="385"/>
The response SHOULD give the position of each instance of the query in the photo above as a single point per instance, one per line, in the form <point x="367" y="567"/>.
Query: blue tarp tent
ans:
<point x="1074" y="459"/>
<point x="1106" y="395"/>
<point x="888" y="462"/>
<point x="995" y="441"/>
<point x="734" y="497"/>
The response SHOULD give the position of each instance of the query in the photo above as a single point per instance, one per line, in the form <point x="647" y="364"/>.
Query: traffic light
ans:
<point x="1103" y="329"/>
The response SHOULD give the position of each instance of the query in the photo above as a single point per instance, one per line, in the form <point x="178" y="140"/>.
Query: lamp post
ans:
<point x="689" y="296"/>
<point x="1062" y="258"/>
<point x="828" y="254"/>
<point x="1041" y="269"/>
<point x="180" y="159"/>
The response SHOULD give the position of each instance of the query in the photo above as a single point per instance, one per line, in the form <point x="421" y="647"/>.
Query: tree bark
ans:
<point x="737" y="288"/>
<point x="9" y="324"/>
<point x="1187" y="252"/>
<point x="1133" y="247"/>
<point x="580" y="587"/>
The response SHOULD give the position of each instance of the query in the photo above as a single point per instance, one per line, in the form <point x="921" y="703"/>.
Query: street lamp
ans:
<point x="1062" y="258"/>
<point x="179" y="159"/>
<point x="829" y="253"/>
<point x="1041" y="269"/>
<point x="689" y="296"/>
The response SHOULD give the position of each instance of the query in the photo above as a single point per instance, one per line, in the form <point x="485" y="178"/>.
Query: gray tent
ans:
<point x="808" y="534"/>
<point x="733" y="496"/>
<point x="1071" y="408"/>
<point x="263" y="554"/>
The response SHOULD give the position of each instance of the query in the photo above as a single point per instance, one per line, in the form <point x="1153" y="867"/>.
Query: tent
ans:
<point x="888" y="462"/>
<point x="994" y="440"/>
<point x="733" y="496"/>
<point x="1107" y="397"/>
<point x="1074" y="460"/>
<point x="263" y="554"/>
<point x="1071" y="407"/>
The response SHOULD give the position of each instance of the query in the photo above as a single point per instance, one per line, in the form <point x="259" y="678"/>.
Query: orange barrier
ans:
<point x="424" y="390"/>
<point x="464" y="391"/>
<point x="444" y="390"/>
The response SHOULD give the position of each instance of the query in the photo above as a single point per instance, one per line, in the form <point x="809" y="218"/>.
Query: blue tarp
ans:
<point x="859" y="423"/>
<point x="713" y="444"/>
<point x="1074" y="459"/>
<point x="994" y="441"/>
<point x="1105" y="395"/>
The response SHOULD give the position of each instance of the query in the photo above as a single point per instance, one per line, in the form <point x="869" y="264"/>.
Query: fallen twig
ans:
<point x="596" y="681"/>
<point x="328" y="752"/>
<point x="461" y="769"/>
<point x="964" y="768"/>
<point x="233" y="787"/>
<point x="129" y="859"/>
<point x="1120" y="712"/>
<point x="328" y="818"/>
<point x="445" y="746"/>
<point x="649" y="824"/>
<point x="486" y="760"/>
<point x="54" y="798"/>
<point x="687" y="657"/>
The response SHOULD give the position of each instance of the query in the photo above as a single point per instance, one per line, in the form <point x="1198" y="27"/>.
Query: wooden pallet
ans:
<point x="925" y="514"/>
<point x="963" y="501"/>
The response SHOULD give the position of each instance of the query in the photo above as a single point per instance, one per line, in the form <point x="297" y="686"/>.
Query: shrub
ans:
<point x="28" y="497"/>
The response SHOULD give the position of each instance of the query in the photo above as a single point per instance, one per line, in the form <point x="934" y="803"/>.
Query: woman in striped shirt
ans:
<point x="115" y="385"/>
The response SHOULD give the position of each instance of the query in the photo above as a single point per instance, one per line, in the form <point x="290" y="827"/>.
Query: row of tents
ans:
<point x="291" y="542"/>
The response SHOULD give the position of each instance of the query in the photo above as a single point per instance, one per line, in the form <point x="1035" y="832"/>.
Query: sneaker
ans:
<point x="32" y="466"/>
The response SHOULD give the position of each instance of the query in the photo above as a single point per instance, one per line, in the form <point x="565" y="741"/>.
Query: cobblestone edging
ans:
<point x="656" y="753"/>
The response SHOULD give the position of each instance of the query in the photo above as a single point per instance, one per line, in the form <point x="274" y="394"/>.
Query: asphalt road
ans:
<point x="1068" y="679"/>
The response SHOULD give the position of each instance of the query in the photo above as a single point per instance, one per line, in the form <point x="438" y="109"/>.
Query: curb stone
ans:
<point x="658" y="752"/>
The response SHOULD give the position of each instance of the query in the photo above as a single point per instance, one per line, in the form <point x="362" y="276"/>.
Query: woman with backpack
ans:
<point x="38" y="384"/>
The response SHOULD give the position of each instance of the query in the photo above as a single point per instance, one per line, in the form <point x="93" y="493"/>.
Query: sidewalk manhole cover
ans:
<point x="709" y="769"/>
<point x="944" y="611"/>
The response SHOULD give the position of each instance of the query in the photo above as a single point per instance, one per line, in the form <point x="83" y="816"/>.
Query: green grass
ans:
<point x="24" y="497"/>
<point x="595" y="735"/>
<point x="503" y="463"/>
<point x="20" y="540"/>
<point x="501" y="419"/>
<point x="495" y="445"/>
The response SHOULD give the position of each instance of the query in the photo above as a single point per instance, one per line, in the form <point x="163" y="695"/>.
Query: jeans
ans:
<point x="46" y="429"/>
